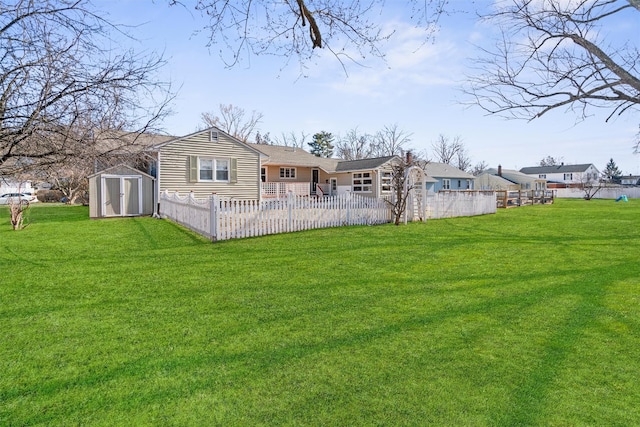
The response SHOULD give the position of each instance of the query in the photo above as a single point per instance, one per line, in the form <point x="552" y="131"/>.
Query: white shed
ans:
<point x="121" y="191"/>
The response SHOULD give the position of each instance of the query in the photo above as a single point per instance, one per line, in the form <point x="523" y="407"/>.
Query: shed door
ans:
<point x="121" y="195"/>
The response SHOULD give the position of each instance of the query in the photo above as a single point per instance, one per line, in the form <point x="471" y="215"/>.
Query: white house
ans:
<point x="562" y="176"/>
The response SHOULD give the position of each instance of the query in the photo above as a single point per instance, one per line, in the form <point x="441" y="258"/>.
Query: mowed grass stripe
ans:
<point x="526" y="317"/>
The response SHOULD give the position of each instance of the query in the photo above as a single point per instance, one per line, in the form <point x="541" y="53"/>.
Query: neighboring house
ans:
<point x="563" y="176"/>
<point x="10" y="185"/>
<point x="507" y="179"/>
<point x="448" y="177"/>
<point x="627" y="180"/>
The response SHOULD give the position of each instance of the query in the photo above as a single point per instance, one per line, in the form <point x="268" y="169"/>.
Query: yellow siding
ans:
<point x="174" y="167"/>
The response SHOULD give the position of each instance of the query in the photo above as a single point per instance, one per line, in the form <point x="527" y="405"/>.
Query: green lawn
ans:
<point x="527" y="317"/>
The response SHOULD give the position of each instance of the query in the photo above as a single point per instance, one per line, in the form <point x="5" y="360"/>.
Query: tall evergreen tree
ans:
<point x="611" y="170"/>
<point x="322" y="144"/>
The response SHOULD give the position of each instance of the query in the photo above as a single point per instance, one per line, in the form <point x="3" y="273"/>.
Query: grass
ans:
<point x="526" y="317"/>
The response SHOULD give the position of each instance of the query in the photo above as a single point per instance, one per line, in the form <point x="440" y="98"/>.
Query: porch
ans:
<point x="282" y="189"/>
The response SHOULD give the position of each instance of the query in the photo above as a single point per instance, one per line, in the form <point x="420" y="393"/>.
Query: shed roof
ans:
<point x="117" y="170"/>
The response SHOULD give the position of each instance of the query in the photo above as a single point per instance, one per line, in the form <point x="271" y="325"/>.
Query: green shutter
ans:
<point x="193" y="168"/>
<point x="233" y="170"/>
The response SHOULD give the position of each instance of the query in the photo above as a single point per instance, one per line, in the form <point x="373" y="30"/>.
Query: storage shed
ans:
<point x="121" y="191"/>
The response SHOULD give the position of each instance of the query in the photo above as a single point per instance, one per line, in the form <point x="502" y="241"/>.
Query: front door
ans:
<point x="315" y="175"/>
<point x="121" y="195"/>
<point x="334" y="186"/>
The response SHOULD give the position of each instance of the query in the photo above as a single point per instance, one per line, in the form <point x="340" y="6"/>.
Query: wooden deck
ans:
<point x="516" y="198"/>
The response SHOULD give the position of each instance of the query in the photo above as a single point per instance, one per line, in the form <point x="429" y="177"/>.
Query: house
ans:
<point x="212" y="161"/>
<point x="206" y="162"/>
<point x="627" y="180"/>
<point x="508" y="179"/>
<point x="10" y="185"/>
<point x="448" y="177"/>
<point x="292" y="169"/>
<point x="564" y="176"/>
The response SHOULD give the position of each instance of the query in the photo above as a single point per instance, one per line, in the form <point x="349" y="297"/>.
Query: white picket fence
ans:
<point x="603" y="193"/>
<point x="220" y="218"/>
<point x="450" y="204"/>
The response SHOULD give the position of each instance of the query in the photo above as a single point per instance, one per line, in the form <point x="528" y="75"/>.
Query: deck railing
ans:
<point x="282" y="189"/>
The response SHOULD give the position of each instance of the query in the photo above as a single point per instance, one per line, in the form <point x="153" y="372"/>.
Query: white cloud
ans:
<point x="410" y="62"/>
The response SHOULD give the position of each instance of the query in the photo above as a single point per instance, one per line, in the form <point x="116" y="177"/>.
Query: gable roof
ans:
<point x="293" y="156"/>
<point x="296" y="156"/>
<point x="513" y="176"/>
<point x="207" y="130"/>
<point x="556" y="169"/>
<point x="118" y="171"/>
<point x="443" y="170"/>
<point x="362" y="164"/>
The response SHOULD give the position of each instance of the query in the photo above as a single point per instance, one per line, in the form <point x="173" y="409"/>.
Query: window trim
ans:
<point x="214" y="170"/>
<point x="386" y="180"/>
<point x="283" y="173"/>
<point x="360" y="187"/>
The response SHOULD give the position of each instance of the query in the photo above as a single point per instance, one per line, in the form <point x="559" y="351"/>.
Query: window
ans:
<point x="205" y="167"/>
<point x="205" y="170"/>
<point x="213" y="136"/>
<point x="542" y="176"/>
<point x="386" y="181"/>
<point x="288" y="173"/>
<point x="263" y="174"/>
<point x="468" y="184"/>
<point x="222" y="170"/>
<point x="362" y="182"/>
<point x="459" y="184"/>
<point x="446" y="184"/>
<point x="568" y="176"/>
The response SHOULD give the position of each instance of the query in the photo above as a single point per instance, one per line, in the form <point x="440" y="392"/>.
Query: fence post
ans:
<point x="290" y="201"/>
<point x="348" y="207"/>
<point x="214" y="206"/>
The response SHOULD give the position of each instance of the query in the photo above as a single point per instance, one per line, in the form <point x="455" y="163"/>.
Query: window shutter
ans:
<point x="233" y="170"/>
<point x="193" y="168"/>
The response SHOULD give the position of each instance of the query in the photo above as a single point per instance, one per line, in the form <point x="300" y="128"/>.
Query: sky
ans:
<point x="418" y="88"/>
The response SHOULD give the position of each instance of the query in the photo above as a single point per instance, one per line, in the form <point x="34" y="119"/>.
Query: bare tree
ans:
<point x="446" y="150"/>
<point x="60" y="83"/>
<point x="390" y="141"/>
<point x="590" y="185"/>
<point x="294" y="29"/>
<point x="401" y="184"/>
<point x="550" y="161"/>
<point x="292" y="139"/>
<point x="479" y="168"/>
<point x="355" y="145"/>
<point x="556" y="54"/>
<point x="234" y="121"/>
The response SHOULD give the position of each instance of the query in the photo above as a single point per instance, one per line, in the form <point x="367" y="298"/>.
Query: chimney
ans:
<point x="409" y="157"/>
<point x="499" y="170"/>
